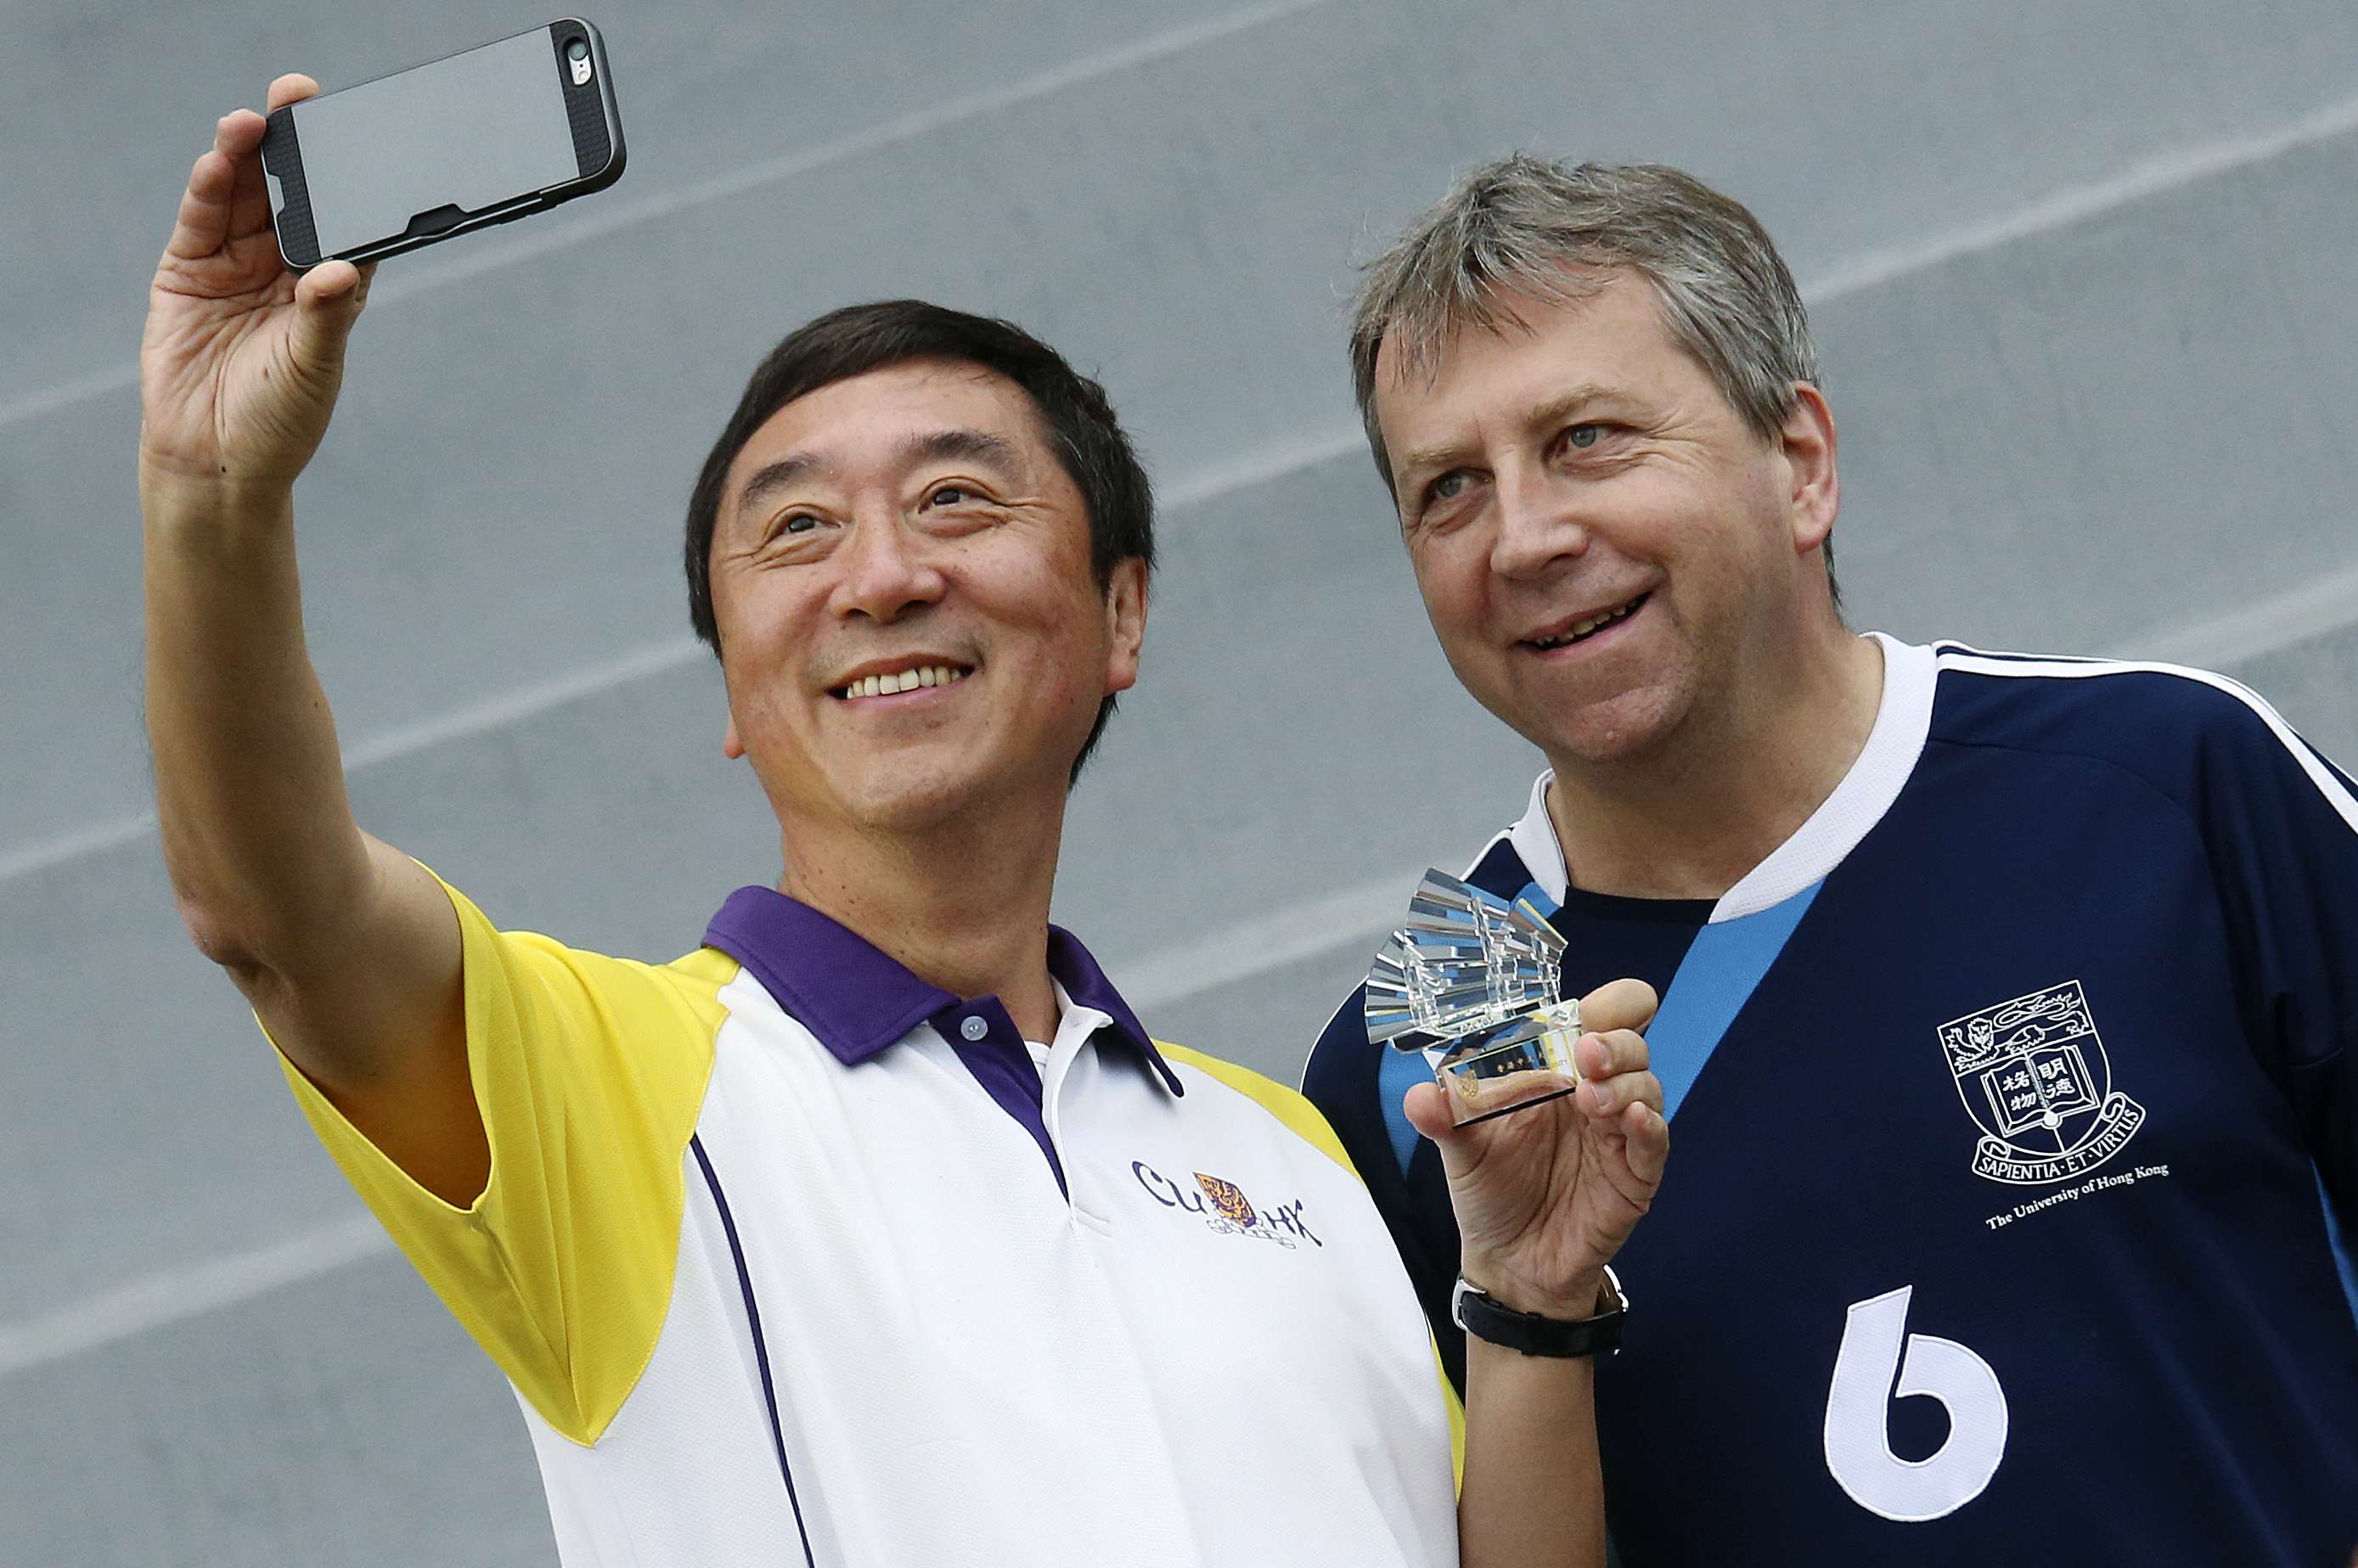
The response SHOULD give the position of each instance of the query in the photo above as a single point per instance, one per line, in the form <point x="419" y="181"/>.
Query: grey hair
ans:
<point x="1542" y="230"/>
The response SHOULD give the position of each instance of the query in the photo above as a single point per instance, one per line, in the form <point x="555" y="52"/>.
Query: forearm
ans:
<point x="256" y="827"/>
<point x="1533" y="1496"/>
<point x="1544" y="1198"/>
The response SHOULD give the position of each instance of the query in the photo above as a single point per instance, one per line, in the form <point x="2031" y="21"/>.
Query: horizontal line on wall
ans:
<point x="2254" y="631"/>
<point x="1245" y="950"/>
<point x="495" y="712"/>
<point x="2076" y="204"/>
<point x="174" y="1295"/>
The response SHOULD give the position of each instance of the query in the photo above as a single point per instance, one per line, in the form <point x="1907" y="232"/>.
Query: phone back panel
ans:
<point x="442" y="147"/>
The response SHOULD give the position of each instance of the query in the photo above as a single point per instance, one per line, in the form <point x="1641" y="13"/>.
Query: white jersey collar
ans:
<point x="1903" y="720"/>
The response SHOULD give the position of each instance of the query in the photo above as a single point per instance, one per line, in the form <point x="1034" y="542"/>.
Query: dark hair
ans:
<point x="1085" y="438"/>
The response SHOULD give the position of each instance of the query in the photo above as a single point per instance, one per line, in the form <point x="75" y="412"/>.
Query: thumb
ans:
<point x="1430" y="1112"/>
<point x="1427" y="1107"/>
<point x="328" y="301"/>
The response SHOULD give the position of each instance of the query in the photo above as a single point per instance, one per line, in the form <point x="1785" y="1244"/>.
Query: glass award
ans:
<point x="1471" y="980"/>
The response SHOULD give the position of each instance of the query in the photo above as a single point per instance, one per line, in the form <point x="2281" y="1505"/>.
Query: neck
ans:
<point x="962" y="903"/>
<point x="1692" y="819"/>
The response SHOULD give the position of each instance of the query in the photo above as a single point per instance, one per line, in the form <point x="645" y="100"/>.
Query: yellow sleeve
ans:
<point x="1290" y="1106"/>
<point x="590" y="1073"/>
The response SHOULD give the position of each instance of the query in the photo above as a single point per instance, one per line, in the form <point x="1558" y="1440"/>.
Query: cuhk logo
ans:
<point x="1224" y="1209"/>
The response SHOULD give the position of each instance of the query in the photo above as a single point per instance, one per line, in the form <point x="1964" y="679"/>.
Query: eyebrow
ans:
<point x="976" y="446"/>
<point x="1556" y="409"/>
<point x="934" y="446"/>
<point x="771" y="478"/>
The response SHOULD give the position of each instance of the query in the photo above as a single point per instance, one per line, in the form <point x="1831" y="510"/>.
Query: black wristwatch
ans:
<point x="1533" y="1335"/>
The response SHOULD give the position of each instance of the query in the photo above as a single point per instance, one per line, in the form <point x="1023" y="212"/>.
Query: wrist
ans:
<point x="1484" y="1318"/>
<point x="173" y="495"/>
<point x="1584" y="1295"/>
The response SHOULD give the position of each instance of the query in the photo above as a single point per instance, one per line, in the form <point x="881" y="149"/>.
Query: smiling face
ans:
<point x="910" y="625"/>
<point x="1609" y="554"/>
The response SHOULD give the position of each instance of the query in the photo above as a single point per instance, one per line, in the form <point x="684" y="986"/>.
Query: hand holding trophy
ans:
<point x="1543" y="1202"/>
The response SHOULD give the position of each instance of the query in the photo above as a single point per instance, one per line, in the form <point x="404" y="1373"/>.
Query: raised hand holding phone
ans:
<point x="241" y="359"/>
<point x="346" y="948"/>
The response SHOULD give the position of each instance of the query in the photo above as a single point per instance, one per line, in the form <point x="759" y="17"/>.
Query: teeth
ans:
<point x="901" y="681"/>
<point x="1583" y="628"/>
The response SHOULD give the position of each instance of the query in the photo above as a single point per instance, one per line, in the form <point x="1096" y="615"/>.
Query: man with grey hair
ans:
<point x="2007" y="1000"/>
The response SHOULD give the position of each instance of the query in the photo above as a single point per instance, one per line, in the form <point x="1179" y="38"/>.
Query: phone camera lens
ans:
<point x="577" y="50"/>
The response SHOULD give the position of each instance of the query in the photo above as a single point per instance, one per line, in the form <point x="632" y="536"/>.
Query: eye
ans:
<point x="1447" y="488"/>
<point x="797" y="523"/>
<point x="1584" y="436"/>
<point x="948" y="495"/>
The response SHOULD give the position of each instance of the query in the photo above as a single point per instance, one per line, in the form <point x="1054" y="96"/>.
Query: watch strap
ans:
<point x="1534" y="1335"/>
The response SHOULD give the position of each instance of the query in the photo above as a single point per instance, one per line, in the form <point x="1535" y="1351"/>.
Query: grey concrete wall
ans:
<point x="2080" y="268"/>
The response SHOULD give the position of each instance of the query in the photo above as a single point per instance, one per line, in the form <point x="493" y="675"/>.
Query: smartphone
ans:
<point x="435" y="151"/>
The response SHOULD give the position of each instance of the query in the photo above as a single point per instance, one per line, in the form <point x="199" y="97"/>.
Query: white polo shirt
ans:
<point x="793" y="1258"/>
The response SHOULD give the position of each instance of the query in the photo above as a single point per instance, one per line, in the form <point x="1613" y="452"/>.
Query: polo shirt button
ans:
<point x="974" y="1028"/>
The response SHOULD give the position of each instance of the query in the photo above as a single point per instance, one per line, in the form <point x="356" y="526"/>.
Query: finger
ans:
<point x="1645" y="1142"/>
<point x="249" y="198"/>
<point x="327" y="301"/>
<point x="1604" y="1098"/>
<point x="250" y="203"/>
<point x="1602" y="1055"/>
<point x="203" y="222"/>
<point x="1617" y="1004"/>
<point x="238" y="131"/>
<point x="291" y="88"/>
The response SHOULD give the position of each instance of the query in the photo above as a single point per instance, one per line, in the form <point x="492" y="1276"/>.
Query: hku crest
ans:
<point x="2034" y="1077"/>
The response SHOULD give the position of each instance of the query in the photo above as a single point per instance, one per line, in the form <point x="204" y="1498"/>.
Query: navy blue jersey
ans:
<point x="2013" y="1111"/>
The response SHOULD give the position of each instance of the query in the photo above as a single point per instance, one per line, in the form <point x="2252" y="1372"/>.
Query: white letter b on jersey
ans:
<point x="1858" y="1412"/>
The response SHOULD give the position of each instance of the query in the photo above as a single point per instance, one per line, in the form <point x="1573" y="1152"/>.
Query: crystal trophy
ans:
<point x="1470" y="980"/>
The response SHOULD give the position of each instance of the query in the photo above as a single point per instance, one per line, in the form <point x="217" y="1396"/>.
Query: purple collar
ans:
<point x="859" y="1000"/>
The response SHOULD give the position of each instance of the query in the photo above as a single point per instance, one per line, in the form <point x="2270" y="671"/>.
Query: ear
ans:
<point x="1814" y="490"/>
<point x="731" y="746"/>
<point x="1126" y="622"/>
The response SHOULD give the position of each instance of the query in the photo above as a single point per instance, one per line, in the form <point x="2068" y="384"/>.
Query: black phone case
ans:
<point x="598" y="149"/>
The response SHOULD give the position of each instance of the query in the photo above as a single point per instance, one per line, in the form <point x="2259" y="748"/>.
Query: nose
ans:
<point x="1538" y="523"/>
<point x="883" y="571"/>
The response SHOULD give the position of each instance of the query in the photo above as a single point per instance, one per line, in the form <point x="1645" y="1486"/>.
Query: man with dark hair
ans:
<point x="1079" y="424"/>
<point x="876" y="1231"/>
<point x="2007" y="1002"/>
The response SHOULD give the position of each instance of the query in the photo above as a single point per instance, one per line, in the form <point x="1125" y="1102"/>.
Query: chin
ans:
<point x="912" y="803"/>
<point x="1621" y="729"/>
